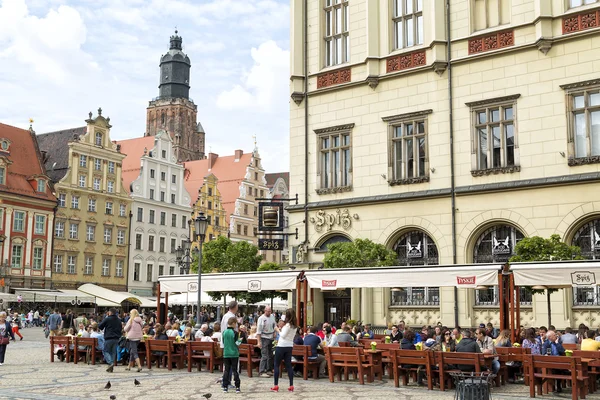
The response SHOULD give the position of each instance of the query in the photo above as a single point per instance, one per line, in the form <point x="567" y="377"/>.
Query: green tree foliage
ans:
<point x="361" y="253"/>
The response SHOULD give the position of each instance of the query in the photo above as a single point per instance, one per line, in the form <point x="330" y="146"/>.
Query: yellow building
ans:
<point x="457" y="146"/>
<point x="91" y="234"/>
<point x="210" y="203"/>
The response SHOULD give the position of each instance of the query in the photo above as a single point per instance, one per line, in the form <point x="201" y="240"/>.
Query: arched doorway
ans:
<point x="587" y="238"/>
<point x="416" y="248"/>
<point x="496" y="245"/>
<point x="322" y="247"/>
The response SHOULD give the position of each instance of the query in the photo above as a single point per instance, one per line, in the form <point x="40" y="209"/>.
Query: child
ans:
<point x="231" y="355"/>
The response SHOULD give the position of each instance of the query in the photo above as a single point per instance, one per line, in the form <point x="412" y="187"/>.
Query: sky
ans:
<point x="60" y="59"/>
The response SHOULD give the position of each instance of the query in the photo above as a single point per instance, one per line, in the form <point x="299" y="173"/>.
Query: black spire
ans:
<point x="175" y="41"/>
<point x="175" y="71"/>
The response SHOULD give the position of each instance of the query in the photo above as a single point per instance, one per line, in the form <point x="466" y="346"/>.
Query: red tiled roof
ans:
<point x="26" y="164"/>
<point x="272" y="178"/>
<point x="134" y="149"/>
<point x="228" y="171"/>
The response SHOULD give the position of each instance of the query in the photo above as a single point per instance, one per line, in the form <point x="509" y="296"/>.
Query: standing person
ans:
<point x="232" y="309"/>
<point x="16" y="325"/>
<point x="284" y="348"/>
<point x="133" y="329"/>
<point x="54" y="322"/>
<point x="36" y="318"/>
<point x="265" y="334"/>
<point x="112" y="333"/>
<point x="5" y="335"/>
<point x="231" y="355"/>
<point x="69" y="320"/>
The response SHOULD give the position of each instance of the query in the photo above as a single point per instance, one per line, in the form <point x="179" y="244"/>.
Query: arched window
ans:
<point x="162" y="118"/>
<point x="587" y="238"/>
<point x="322" y="248"/>
<point x="496" y="245"/>
<point x="416" y="248"/>
<point x="98" y="139"/>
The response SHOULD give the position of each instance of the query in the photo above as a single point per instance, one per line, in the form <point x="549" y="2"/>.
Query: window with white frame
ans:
<point x="107" y="235"/>
<point x="98" y="139"/>
<point x="111" y="167"/>
<point x="140" y="214"/>
<point x="83" y="161"/>
<point x="183" y="222"/>
<point x="71" y="264"/>
<point x="335" y="156"/>
<point x="408" y="23"/>
<point x="151" y="217"/>
<point x="19" y="221"/>
<point x="161" y="270"/>
<point x="110" y="186"/>
<point x="151" y="194"/>
<point x="92" y="205"/>
<point x="17" y="256"/>
<point x="163" y="218"/>
<point x="109" y="208"/>
<point x="163" y="176"/>
<point x="584" y="122"/>
<point x="173" y="245"/>
<point x="97" y="164"/>
<point x="337" y="40"/>
<point x="162" y="196"/>
<point x="89" y="266"/>
<point x="122" y="210"/>
<point x="161" y="244"/>
<point x="494" y="144"/>
<point x="90" y="233"/>
<point x="119" y="268"/>
<point x="173" y="178"/>
<point x="38" y="258"/>
<point x="579" y="3"/>
<point x="58" y="263"/>
<point x="136" y="271"/>
<point x="105" y="267"/>
<point x="82" y="180"/>
<point x="152" y="172"/>
<point x="138" y="241"/>
<point x="59" y="229"/>
<point x="41" y="185"/>
<point x="173" y="198"/>
<point x="120" y="236"/>
<point x="62" y="200"/>
<point x="2" y="175"/>
<point x="150" y="243"/>
<point x="40" y="224"/>
<point x="489" y="13"/>
<point x="73" y="231"/>
<point x="75" y="202"/>
<point x="96" y="184"/>
<point x="174" y="220"/>
<point x="408" y="161"/>
<point x="149" y="272"/>
<point x="172" y="270"/>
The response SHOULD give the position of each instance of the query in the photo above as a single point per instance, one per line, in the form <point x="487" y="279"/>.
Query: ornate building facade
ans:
<point x="460" y="163"/>
<point x="210" y="202"/>
<point x="173" y="110"/>
<point x="91" y="230"/>
<point x="278" y="184"/>
<point x="161" y="209"/>
<point x="26" y="212"/>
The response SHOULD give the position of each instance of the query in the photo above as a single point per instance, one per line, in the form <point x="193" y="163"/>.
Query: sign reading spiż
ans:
<point x="583" y="278"/>
<point x="192" y="286"/>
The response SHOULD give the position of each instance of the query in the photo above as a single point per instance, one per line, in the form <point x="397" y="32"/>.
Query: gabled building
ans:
<point x="26" y="211"/>
<point x="278" y="184"/>
<point x="91" y="232"/>
<point x="161" y="209"/>
<point x="210" y="202"/>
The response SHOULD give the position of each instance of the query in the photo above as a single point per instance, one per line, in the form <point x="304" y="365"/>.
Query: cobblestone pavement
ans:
<point x="28" y="374"/>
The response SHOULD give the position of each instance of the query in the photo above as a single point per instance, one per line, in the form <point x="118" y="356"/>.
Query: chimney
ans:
<point x="238" y="154"/>
<point x="212" y="158"/>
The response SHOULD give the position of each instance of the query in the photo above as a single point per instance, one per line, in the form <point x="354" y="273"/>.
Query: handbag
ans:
<point x="4" y="341"/>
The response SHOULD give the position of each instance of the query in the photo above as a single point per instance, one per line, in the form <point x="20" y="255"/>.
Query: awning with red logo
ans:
<point x="557" y="274"/>
<point x="230" y="282"/>
<point x="468" y="276"/>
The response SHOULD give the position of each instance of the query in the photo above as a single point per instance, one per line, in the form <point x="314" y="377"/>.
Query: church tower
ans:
<point x="173" y="110"/>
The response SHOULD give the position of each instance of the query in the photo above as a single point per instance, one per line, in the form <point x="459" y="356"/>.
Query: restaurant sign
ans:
<point x="192" y="287"/>
<point x="413" y="251"/>
<point x="501" y="247"/>
<point x="341" y="218"/>
<point x="328" y="283"/>
<point x="254" y="286"/>
<point x="583" y="278"/>
<point x="466" y="280"/>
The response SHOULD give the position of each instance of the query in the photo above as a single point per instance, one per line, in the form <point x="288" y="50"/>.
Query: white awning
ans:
<point x="113" y="297"/>
<point x="557" y="274"/>
<point x="230" y="282"/>
<point x="469" y="276"/>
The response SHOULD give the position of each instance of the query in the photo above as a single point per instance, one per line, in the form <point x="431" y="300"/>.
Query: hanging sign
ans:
<point x="501" y="247"/>
<point x="413" y="251"/>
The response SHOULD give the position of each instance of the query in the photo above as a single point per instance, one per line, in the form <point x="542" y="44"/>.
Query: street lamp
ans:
<point x="184" y="260"/>
<point x="200" y="225"/>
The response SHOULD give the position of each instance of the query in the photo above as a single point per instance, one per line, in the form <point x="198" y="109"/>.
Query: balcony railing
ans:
<point x="416" y="297"/>
<point x="587" y="296"/>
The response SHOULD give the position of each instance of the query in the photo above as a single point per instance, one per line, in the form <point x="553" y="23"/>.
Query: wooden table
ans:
<point x="374" y="357"/>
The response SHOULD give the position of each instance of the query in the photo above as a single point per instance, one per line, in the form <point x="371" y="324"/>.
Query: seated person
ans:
<point x="589" y="343"/>
<point x="345" y="337"/>
<point x="467" y="344"/>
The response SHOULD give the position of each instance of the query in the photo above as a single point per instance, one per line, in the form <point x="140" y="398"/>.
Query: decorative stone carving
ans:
<point x="439" y="67"/>
<point x="573" y="162"/>
<point x="410" y="181"/>
<point x="297" y="97"/>
<point x="491" y="42"/>
<point x="372" y="81"/>
<point x="586" y="20"/>
<point x="341" y="218"/>
<point x="339" y="189"/>
<point x="544" y="45"/>
<point x="335" y="128"/>
<point x="406" y="61"/>
<point x="334" y="78"/>
<point x="496" y="171"/>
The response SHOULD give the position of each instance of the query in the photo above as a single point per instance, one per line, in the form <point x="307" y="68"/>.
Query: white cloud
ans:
<point x="262" y="88"/>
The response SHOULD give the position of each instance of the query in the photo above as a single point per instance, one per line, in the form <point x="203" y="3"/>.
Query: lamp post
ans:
<point x="200" y="225"/>
<point x="184" y="259"/>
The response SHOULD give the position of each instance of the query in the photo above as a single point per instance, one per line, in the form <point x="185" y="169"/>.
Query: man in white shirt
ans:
<point x="265" y="333"/>
<point x="202" y="331"/>
<point x="233" y="307"/>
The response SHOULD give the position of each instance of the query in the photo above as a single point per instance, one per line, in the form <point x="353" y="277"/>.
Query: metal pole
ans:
<point x="187" y="271"/>
<point x="549" y="307"/>
<point x="199" y="305"/>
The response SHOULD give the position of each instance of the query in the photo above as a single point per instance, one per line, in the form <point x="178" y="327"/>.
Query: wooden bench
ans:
<point x="386" y="357"/>
<point x="571" y="346"/>
<point x="448" y="361"/>
<point x="169" y="355"/>
<point x="64" y="341"/>
<point x="301" y="354"/>
<point x="349" y="359"/>
<point x="90" y="352"/>
<point x="253" y="342"/>
<point x="593" y="366"/>
<point x="407" y="362"/>
<point x="514" y="355"/>
<point x="196" y="353"/>
<point x="248" y="357"/>
<point x="543" y="370"/>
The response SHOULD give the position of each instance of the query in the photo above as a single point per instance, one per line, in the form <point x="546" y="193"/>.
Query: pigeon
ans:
<point x="136" y="382"/>
<point x="107" y="386"/>
<point x="113" y="397"/>
<point x="207" y="395"/>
